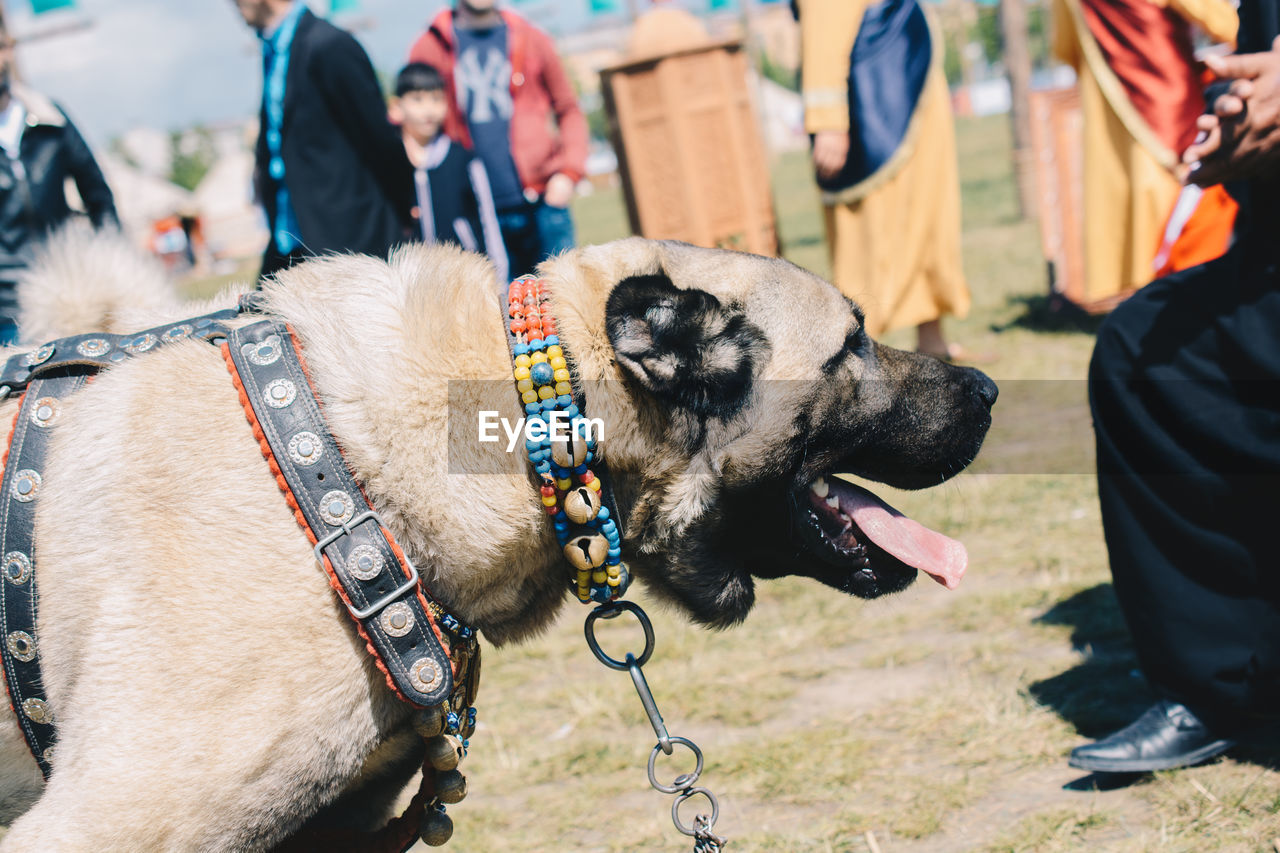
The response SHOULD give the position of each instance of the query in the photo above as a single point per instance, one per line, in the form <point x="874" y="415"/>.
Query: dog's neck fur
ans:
<point x="432" y="322"/>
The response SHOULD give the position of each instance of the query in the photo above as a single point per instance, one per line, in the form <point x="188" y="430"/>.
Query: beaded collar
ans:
<point x="584" y="513"/>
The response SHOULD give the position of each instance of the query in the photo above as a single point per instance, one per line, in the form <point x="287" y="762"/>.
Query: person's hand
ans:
<point x="830" y="151"/>
<point x="1208" y="142"/>
<point x="559" y="190"/>
<point x="1242" y="137"/>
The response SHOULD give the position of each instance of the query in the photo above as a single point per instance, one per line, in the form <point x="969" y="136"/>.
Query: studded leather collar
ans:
<point x="419" y="646"/>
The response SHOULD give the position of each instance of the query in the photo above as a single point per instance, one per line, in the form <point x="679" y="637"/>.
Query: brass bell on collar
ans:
<point x="451" y="786"/>
<point x="586" y="552"/>
<point x="582" y="504"/>
<point x="436" y="828"/>
<point x="570" y="452"/>
<point x="429" y="722"/>
<point x="444" y="752"/>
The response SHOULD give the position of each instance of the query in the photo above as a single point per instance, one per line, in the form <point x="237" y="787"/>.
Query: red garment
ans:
<point x="539" y="87"/>
<point x="1149" y="49"/>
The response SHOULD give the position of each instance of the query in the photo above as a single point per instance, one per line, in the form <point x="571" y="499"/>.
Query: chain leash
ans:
<point x="683" y="786"/>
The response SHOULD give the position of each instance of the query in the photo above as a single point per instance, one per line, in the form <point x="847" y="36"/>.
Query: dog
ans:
<point x="209" y="689"/>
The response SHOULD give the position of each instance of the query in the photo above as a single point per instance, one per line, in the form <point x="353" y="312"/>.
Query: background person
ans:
<point x="330" y="168"/>
<point x="41" y="149"/>
<point x="1140" y="93"/>
<point x="885" y="156"/>
<point x="1185" y="391"/>
<point x="506" y="86"/>
<point x="455" y="204"/>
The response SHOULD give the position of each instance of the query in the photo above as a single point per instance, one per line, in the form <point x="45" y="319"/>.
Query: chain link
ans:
<point x="704" y="840"/>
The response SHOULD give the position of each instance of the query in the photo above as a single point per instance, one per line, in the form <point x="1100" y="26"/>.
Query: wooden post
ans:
<point x="1017" y="62"/>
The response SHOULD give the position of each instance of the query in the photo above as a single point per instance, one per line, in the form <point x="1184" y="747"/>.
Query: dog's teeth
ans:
<point x="833" y="502"/>
<point x="819" y="487"/>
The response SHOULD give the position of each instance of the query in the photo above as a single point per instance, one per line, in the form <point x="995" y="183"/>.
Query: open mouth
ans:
<point x="871" y="548"/>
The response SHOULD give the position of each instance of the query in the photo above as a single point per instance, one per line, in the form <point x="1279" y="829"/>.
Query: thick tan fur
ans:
<point x="83" y="280"/>
<point x="209" y="690"/>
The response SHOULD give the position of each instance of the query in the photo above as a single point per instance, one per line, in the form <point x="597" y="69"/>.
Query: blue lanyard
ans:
<point x="276" y="51"/>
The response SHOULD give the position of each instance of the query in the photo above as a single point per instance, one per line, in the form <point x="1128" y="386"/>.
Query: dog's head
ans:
<point x="747" y="385"/>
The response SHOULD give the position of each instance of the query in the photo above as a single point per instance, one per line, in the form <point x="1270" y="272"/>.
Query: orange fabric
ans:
<point x="1206" y="235"/>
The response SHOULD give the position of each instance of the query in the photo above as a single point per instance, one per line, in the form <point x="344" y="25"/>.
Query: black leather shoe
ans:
<point x="1167" y="735"/>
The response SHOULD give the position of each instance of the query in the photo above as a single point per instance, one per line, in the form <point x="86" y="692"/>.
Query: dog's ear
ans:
<point x="683" y="345"/>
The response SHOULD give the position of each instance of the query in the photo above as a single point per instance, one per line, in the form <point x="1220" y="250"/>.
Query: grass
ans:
<point x="932" y="721"/>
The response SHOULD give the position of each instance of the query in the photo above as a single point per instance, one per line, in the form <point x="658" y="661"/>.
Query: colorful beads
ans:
<point x="584" y="528"/>
<point x="542" y="373"/>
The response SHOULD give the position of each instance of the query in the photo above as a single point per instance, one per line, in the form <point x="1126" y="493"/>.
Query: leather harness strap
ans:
<point x="90" y="353"/>
<point x="28" y="442"/>
<point x="376" y="581"/>
<point x="49" y="375"/>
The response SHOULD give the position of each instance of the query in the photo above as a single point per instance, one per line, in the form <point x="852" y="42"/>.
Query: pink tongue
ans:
<point x="941" y="557"/>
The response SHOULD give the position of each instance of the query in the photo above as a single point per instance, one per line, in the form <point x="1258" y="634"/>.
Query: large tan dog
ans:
<point x="193" y="716"/>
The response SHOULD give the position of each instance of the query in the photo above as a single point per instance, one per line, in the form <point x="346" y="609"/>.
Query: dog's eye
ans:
<point x="856" y="343"/>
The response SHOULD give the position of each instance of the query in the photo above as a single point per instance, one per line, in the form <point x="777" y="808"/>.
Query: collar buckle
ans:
<point x="408" y="586"/>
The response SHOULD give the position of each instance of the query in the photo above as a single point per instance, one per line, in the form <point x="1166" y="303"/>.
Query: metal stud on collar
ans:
<point x="22" y="646"/>
<point x="305" y="448"/>
<point x="140" y="343"/>
<point x="25" y="485"/>
<point x="280" y="393"/>
<point x="37" y="711"/>
<point x="336" y="507"/>
<point x="17" y="568"/>
<point x="93" y="347"/>
<point x="47" y="411"/>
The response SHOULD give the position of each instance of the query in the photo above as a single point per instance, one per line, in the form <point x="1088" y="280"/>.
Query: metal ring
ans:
<point x="683" y="781"/>
<point x="675" y="810"/>
<point x="608" y="611"/>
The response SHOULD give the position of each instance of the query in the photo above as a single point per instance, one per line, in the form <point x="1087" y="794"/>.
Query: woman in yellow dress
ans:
<point x="877" y="105"/>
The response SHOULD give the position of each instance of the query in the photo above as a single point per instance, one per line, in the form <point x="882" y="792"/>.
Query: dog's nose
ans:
<point x="986" y="390"/>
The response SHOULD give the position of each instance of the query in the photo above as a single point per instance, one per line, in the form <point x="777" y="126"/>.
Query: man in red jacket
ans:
<point x="504" y="81"/>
